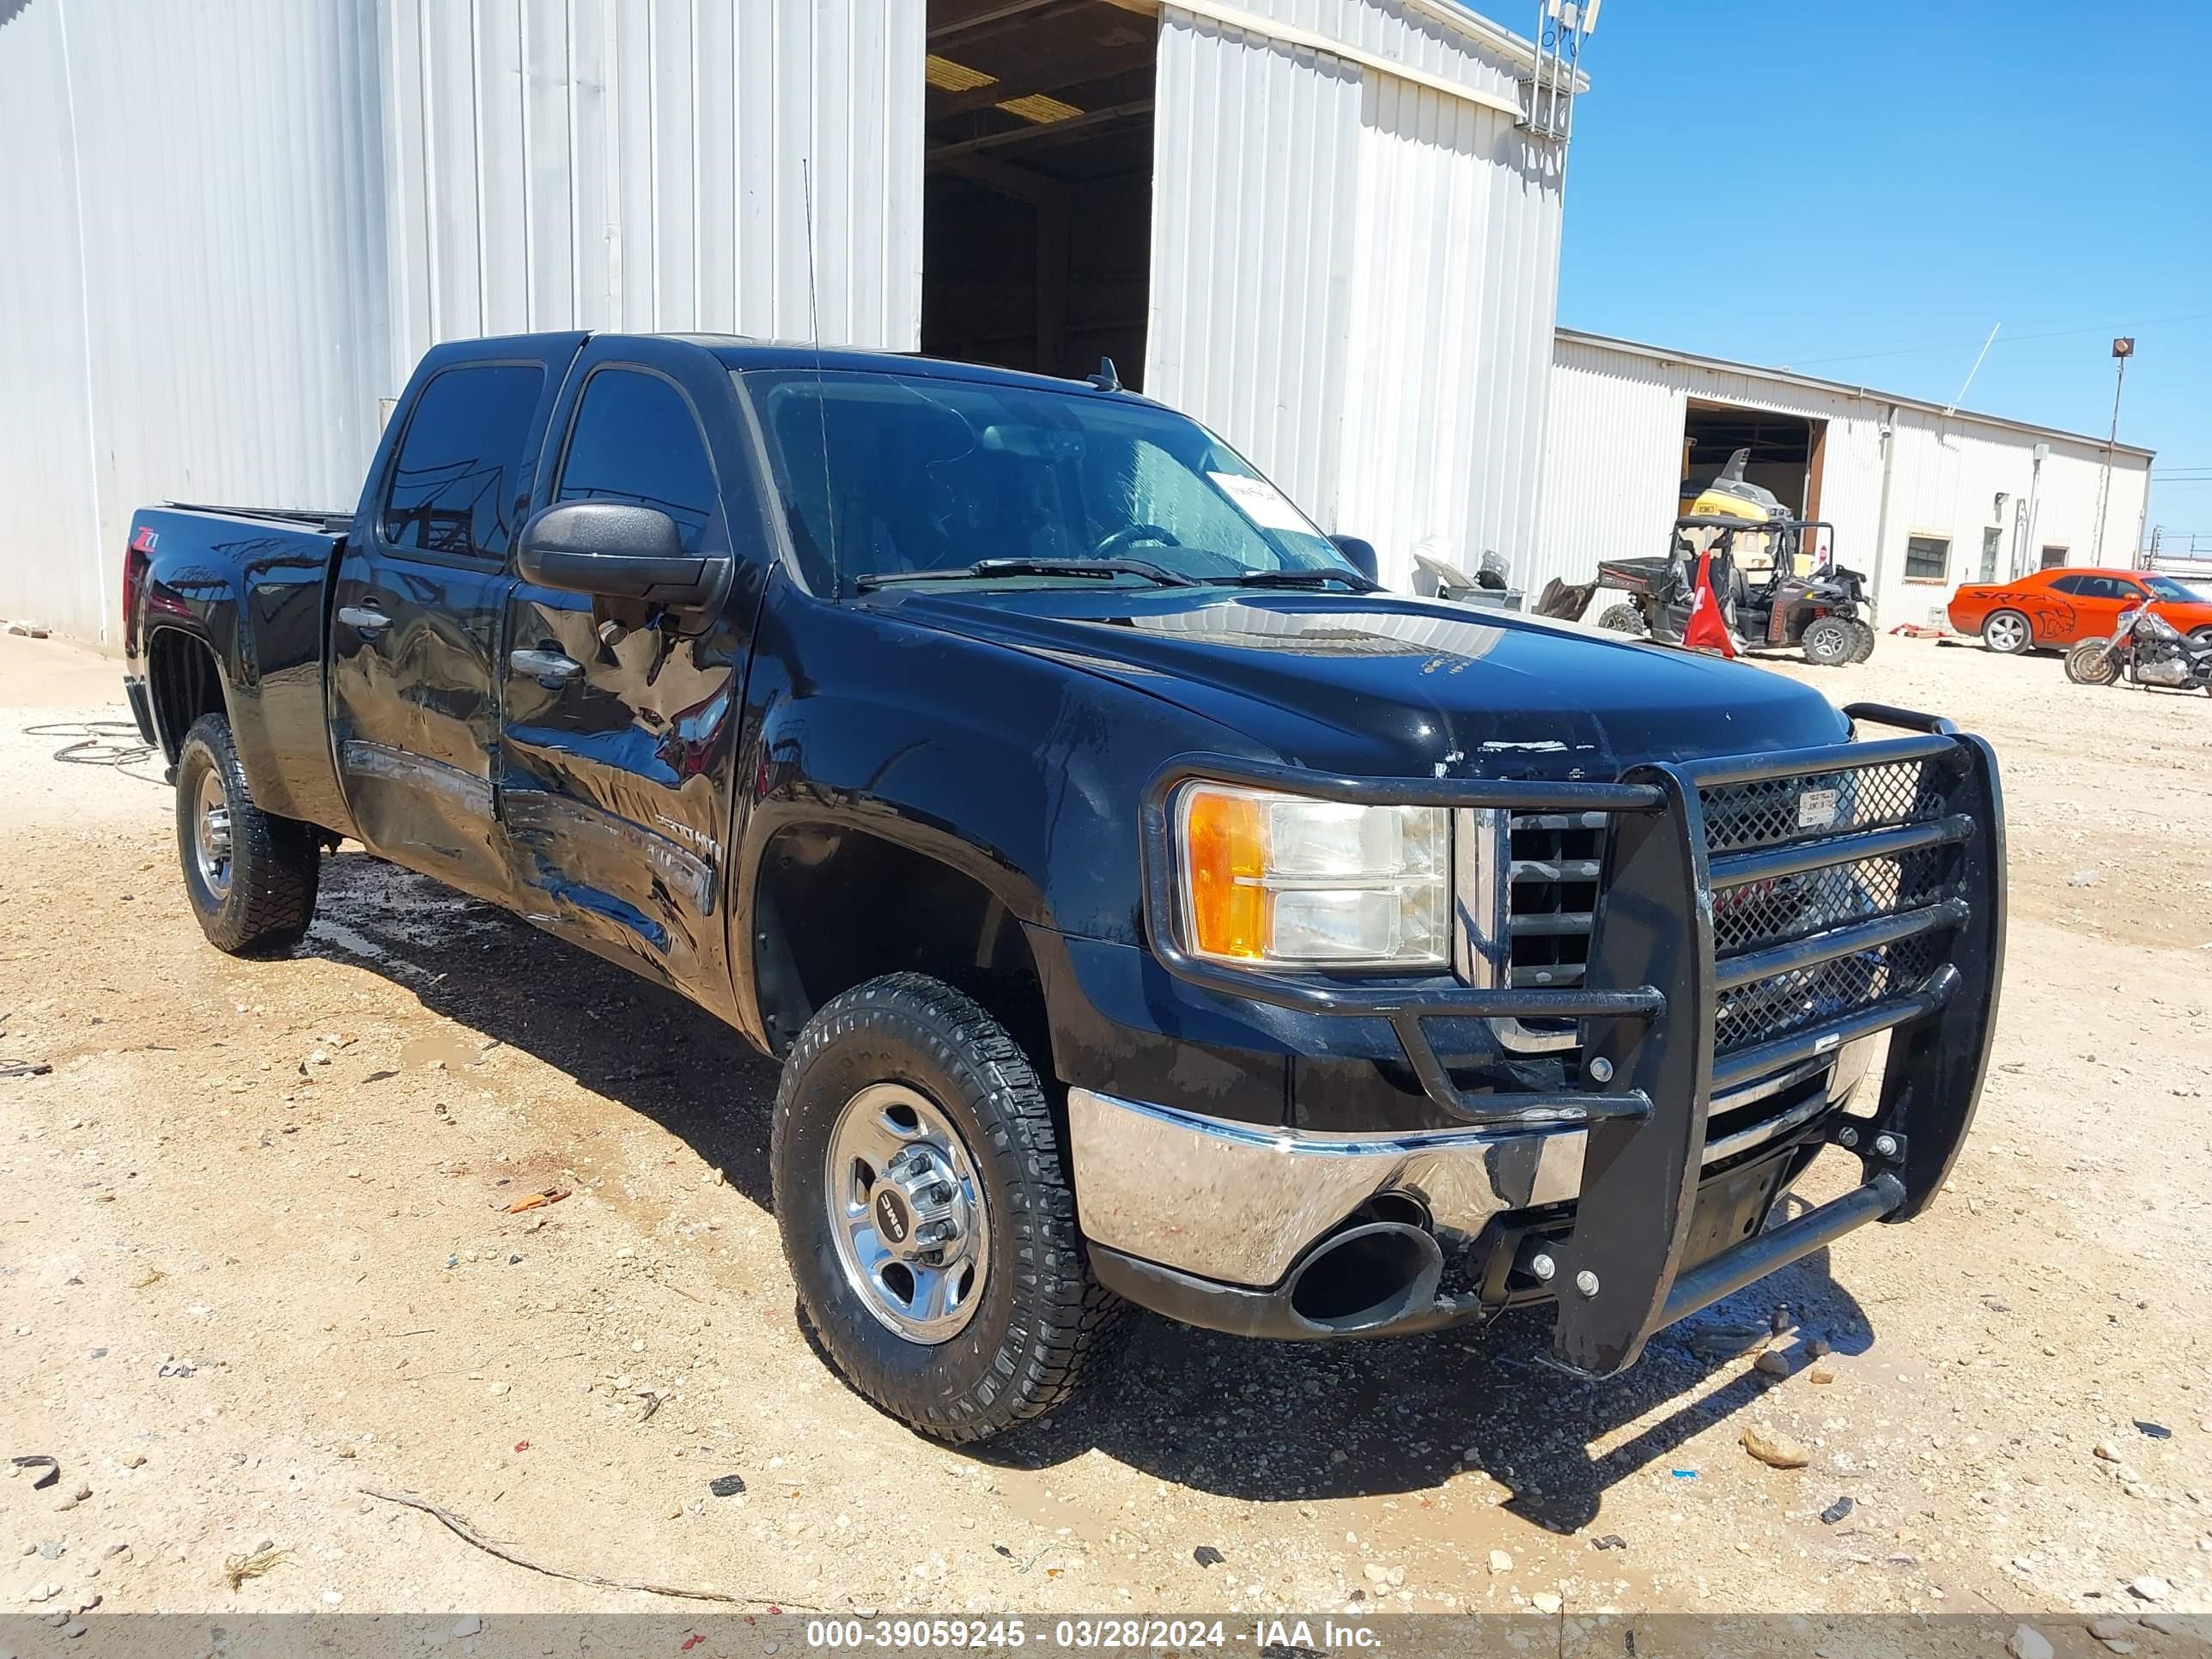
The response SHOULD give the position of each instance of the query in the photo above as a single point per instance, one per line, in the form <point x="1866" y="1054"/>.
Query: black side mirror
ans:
<point x="1359" y="554"/>
<point x="616" y="550"/>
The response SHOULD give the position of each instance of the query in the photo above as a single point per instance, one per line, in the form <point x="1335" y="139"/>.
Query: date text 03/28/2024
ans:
<point x="1139" y="1633"/>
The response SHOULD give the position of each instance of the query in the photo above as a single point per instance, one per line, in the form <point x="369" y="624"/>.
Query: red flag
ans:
<point x="1706" y="630"/>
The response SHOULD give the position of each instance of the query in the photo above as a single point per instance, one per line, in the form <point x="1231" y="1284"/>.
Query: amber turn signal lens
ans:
<point x="1226" y="837"/>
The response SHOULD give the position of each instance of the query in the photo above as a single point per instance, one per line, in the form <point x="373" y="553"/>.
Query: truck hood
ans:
<point x="1380" y="686"/>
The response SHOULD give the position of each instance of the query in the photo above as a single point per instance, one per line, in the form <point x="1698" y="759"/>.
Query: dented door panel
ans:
<point x="618" y="719"/>
<point x="414" y="716"/>
<point x="612" y="786"/>
<point x="419" y="608"/>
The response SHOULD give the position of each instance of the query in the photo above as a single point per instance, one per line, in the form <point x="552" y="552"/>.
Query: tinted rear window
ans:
<point x="453" y="487"/>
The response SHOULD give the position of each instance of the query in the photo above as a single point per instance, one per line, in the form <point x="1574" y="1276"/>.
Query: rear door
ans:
<point x="420" y="603"/>
<point x="621" y="719"/>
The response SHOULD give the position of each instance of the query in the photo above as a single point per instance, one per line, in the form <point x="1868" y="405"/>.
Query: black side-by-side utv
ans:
<point x="1822" y="613"/>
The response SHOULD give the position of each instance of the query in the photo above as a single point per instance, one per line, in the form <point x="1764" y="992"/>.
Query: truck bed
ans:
<point x="254" y="583"/>
<point x="328" y="521"/>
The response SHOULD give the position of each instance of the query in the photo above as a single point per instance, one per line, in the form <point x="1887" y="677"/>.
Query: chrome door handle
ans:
<point x="549" y="668"/>
<point x="361" y="617"/>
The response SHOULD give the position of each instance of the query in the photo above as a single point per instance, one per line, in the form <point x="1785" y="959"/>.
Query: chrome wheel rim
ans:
<point x="2005" y="633"/>
<point x="212" y="834"/>
<point x="907" y="1210"/>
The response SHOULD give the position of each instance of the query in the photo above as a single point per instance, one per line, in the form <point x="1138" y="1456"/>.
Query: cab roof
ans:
<point x="737" y="352"/>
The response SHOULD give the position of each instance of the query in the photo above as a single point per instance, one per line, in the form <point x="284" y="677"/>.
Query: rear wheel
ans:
<point x="1829" y="641"/>
<point x="1622" y="619"/>
<point x="2092" y="663"/>
<point x="927" y="1212"/>
<point x="250" y="875"/>
<point x="2007" y="633"/>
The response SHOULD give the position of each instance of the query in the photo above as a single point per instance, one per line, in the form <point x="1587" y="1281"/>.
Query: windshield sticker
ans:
<point x="1262" y="503"/>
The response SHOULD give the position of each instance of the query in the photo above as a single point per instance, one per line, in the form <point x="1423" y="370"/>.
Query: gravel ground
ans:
<point x="256" y="1255"/>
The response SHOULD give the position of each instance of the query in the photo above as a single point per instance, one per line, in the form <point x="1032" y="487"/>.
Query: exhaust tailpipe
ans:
<point x="1366" y="1278"/>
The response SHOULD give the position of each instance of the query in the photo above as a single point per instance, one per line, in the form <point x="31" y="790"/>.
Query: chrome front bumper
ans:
<point x="1241" y="1204"/>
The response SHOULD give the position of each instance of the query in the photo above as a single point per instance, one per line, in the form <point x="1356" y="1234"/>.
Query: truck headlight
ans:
<point x="1276" y="879"/>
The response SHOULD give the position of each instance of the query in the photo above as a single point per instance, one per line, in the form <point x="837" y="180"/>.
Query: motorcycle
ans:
<point x="2146" y="649"/>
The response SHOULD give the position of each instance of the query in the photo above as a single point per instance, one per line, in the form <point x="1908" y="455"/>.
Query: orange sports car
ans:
<point x="2063" y="606"/>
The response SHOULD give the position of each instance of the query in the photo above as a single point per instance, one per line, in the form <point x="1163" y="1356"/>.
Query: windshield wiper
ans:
<point x="984" y="569"/>
<point x="1350" y="579"/>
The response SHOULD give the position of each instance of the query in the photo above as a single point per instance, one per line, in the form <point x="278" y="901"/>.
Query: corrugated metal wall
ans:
<point x="195" y="288"/>
<point x="1354" y="274"/>
<point x="1613" y="463"/>
<point x="49" y="524"/>
<point x="1614" y="460"/>
<point x="638" y="165"/>
<point x="1254" y="196"/>
<point x="1455" y="280"/>
<point x="235" y="224"/>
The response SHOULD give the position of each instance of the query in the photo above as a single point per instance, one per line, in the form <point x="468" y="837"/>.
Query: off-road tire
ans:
<point x="1867" y="636"/>
<point x="2016" y="629"/>
<point x="1622" y="619"/>
<point x="274" y="862"/>
<point x="1830" y="641"/>
<point x="2090" y="664"/>
<point x="1043" y="1321"/>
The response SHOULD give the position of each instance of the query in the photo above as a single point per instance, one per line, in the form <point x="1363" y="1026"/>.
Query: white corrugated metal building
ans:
<point x="1921" y="498"/>
<point x="1319" y="225"/>
<point x="193" y="293"/>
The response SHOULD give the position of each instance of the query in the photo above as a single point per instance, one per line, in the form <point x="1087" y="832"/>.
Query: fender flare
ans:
<point x="198" y="636"/>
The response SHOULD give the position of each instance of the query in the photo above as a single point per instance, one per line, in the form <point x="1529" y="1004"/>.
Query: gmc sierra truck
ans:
<point x="1146" y="907"/>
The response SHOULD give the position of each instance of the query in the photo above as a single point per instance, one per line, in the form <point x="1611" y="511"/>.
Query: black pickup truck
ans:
<point x="1146" y="907"/>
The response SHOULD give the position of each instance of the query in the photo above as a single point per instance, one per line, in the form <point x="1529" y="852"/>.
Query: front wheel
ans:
<point x="1864" y="635"/>
<point x="1622" y="619"/>
<point x="927" y="1212"/>
<point x="1830" y="641"/>
<point x="2092" y="663"/>
<point x="251" y="875"/>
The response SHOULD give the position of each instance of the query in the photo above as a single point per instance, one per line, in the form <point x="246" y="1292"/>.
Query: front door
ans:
<point x="421" y="598"/>
<point x="621" y="720"/>
<point x="2089" y="607"/>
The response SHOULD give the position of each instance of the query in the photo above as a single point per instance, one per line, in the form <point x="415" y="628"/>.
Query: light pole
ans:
<point x="2122" y="349"/>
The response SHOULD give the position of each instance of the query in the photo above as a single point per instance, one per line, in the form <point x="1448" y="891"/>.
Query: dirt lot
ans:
<point x="255" y="1255"/>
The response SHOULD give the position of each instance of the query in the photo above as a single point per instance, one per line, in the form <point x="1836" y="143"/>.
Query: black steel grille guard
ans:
<point x="1648" y="1006"/>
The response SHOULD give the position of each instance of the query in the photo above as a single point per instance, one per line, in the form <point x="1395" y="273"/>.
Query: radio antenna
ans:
<point x="821" y="392"/>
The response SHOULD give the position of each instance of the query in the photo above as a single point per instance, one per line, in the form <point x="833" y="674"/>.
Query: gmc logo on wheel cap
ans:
<point x="890" y="1216"/>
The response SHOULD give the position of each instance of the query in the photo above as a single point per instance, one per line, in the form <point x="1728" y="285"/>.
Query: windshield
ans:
<point x="922" y="473"/>
<point x="2164" y="588"/>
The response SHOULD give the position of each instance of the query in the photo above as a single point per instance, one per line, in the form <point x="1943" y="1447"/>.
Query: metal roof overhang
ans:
<point x="1814" y="383"/>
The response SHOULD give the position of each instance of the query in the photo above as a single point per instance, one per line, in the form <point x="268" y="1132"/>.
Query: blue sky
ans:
<point x="1896" y="177"/>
